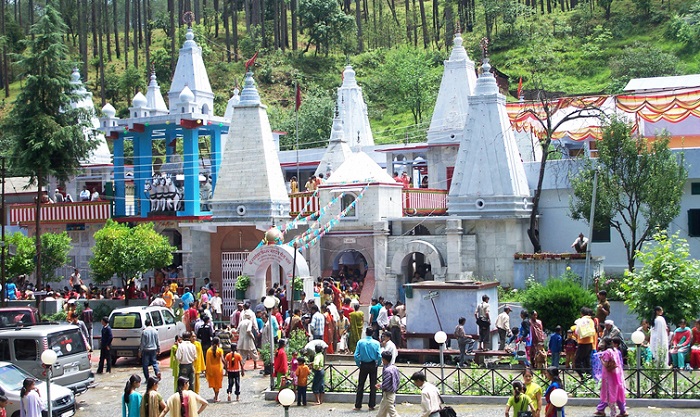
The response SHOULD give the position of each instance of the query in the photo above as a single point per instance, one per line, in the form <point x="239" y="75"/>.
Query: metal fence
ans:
<point x="642" y="383"/>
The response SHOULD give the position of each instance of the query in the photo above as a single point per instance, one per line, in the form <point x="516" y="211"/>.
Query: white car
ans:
<point x="128" y="324"/>
<point x="11" y="379"/>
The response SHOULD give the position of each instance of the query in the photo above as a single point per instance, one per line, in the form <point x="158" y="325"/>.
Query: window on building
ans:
<point x="345" y="202"/>
<point x="601" y="234"/>
<point x="695" y="188"/>
<point x="694" y="222"/>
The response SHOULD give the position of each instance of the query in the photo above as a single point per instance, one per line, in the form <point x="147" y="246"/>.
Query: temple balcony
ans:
<point x="415" y="202"/>
<point x="424" y="202"/>
<point x="68" y="213"/>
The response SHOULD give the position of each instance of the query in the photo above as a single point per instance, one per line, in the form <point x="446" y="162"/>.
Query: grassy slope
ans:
<point x="541" y="48"/>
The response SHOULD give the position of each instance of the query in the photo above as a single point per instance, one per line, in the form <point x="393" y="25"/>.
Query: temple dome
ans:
<point x="109" y="111"/>
<point x="139" y="101"/>
<point x="186" y="96"/>
<point x="360" y="168"/>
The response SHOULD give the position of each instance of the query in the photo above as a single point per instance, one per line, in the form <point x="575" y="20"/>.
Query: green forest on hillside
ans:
<point x="397" y="49"/>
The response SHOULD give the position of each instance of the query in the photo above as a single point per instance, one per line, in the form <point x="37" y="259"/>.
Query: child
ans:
<point x="234" y="370"/>
<point x="540" y="360"/>
<point x="281" y="366"/>
<point x="556" y="343"/>
<point x="301" y="375"/>
<point x="3" y="404"/>
<point x="570" y="345"/>
<point x="519" y="401"/>
<point x="293" y="368"/>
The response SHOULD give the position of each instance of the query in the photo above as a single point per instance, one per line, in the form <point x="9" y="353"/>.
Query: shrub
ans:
<point x="558" y="302"/>
<point x="669" y="278"/>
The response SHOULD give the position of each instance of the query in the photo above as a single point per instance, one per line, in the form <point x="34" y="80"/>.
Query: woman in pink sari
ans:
<point x="612" y="385"/>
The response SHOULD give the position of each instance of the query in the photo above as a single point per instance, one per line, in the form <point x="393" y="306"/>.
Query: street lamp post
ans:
<point x="559" y="398"/>
<point x="638" y="338"/>
<point x="286" y="397"/>
<point x="441" y="338"/>
<point x="269" y="303"/>
<point x="48" y="358"/>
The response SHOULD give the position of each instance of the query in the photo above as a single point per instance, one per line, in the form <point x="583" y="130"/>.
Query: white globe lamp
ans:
<point x="638" y="337"/>
<point x="440" y="337"/>
<point x="286" y="397"/>
<point x="269" y="302"/>
<point x="48" y="357"/>
<point x="559" y="398"/>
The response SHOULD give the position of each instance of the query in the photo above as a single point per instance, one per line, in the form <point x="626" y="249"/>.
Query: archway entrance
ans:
<point x="416" y="268"/>
<point x="277" y="258"/>
<point x="417" y="261"/>
<point x="352" y="266"/>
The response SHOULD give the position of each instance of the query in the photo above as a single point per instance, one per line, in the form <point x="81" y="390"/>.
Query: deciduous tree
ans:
<point x="669" y="278"/>
<point x="640" y="185"/>
<point x="54" y="246"/>
<point x="127" y="251"/>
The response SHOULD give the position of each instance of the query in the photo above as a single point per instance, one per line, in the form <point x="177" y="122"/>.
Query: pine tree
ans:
<point x="43" y="135"/>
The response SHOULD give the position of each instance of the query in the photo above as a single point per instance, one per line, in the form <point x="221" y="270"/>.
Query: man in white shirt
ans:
<point x="503" y="327"/>
<point x="383" y="316"/>
<point x="389" y="346"/>
<point x="186" y="354"/>
<point x="85" y="194"/>
<point x="580" y="244"/>
<point x="429" y="398"/>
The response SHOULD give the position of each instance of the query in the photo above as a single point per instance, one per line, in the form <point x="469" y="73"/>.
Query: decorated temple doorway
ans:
<point x="350" y="265"/>
<point x="274" y="263"/>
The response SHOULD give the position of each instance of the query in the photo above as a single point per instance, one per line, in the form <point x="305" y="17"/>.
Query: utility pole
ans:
<point x="3" y="244"/>
<point x="37" y="223"/>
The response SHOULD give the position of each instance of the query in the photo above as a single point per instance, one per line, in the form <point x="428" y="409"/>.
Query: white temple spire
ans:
<point x="452" y="104"/>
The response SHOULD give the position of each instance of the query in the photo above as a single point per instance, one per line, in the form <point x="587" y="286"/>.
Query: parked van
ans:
<point x="128" y="324"/>
<point x="23" y="346"/>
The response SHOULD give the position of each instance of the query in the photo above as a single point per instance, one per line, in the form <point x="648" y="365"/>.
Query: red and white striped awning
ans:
<point x="87" y="212"/>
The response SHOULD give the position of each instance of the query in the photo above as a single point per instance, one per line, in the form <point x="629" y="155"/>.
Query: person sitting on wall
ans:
<point x="580" y="244"/>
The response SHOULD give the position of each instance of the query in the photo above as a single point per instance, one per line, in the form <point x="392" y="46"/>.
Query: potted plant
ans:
<point x="298" y="288"/>
<point x="242" y="284"/>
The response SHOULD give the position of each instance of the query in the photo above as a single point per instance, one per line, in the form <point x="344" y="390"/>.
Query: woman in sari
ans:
<point x="199" y="365"/>
<point x="174" y="363"/>
<point x="612" y="386"/>
<point x="328" y="329"/>
<point x="357" y="320"/>
<point x="184" y="403"/>
<point x="152" y="402"/>
<point x="215" y="367"/>
<point x="658" y="342"/>
<point x="695" y="347"/>
<point x="552" y="374"/>
<point x="536" y="334"/>
<point x="680" y="344"/>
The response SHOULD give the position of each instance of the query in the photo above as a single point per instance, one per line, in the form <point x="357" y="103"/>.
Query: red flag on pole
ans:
<point x="520" y="87"/>
<point x="297" y="98"/>
<point x="251" y="61"/>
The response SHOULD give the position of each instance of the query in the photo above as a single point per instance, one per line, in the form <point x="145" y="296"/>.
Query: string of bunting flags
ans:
<point x="311" y="237"/>
<point x="293" y="223"/>
<point x="311" y="217"/>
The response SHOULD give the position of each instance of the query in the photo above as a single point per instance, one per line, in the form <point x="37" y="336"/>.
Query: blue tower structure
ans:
<point x="181" y="186"/>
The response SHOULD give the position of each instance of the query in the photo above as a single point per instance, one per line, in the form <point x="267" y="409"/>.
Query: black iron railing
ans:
<point x="642" y="383"/>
